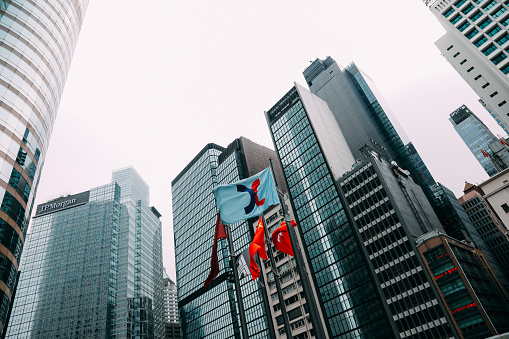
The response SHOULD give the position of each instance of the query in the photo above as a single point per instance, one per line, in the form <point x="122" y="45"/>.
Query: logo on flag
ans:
<point x="246" y="198"/>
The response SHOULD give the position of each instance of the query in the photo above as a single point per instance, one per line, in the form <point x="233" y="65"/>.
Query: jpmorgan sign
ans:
<point x="62" y="203"/>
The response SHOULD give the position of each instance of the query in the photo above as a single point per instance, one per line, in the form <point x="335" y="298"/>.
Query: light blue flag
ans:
<point x="246" y="198"/>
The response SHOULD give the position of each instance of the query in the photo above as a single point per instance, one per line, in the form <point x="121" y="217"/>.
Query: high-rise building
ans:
<point x="496" y="192"/>
<point x="194" y="220"/>
<point x="85" y="271"/>
<point x="37" y="42"/>
<point x="489" y="226"/>
<point x="478" y="138"/>
<point x="171" y="318"/>
<point x="427" y="178"/>
<point x="475" y="298"/>
<point x="348" y="269"/>
<point x="475" y="44"/>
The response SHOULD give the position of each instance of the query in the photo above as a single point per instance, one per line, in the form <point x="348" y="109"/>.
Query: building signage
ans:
<point x="446" y="273"/>
<point x="463" y="307"/>
<point x="62" y="203"/>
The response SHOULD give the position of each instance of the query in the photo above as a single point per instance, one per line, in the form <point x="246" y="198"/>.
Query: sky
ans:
<point x="151" y="85"/>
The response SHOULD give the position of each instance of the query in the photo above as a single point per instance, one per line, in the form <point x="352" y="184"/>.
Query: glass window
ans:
<point x="489" y="5"/>
<point x="459" y="3"/>
<point x="472" y="33"/>
<point x="505" y="69"/>
<point x="476" y="16"/>
<point x="505" y="21"/>
<point x="464" y="26"/>
<point x="480" y="41"/>
<point x="503" y="39"/>
<point x="485" y="23"/>
<point x="449" y="12"/>
<point x="489" y="50"/>
<point x="494" y="30"/>
<point x="499" y="58"/>
<point x="498" y="12"/>
<point x="468" y="9"/>
<point x="456" y="19"/>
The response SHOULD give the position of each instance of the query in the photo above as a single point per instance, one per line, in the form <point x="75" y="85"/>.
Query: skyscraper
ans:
<point x="37" y="41"/>
<point x="85" y="271"/>
<point x="316" y="162"/>
<point x="171" y="318"/>
<point x="478" y="139"/>
<point x="476" y="46"/>
<point x="212" y="311"/>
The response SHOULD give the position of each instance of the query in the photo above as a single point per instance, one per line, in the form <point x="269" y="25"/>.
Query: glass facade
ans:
<point x="341" y="274"/>
<point x="78" y="278"/>
<point x="37" y="41"/>
<point x="477" y="137"/>
<point x="211" y="312"/>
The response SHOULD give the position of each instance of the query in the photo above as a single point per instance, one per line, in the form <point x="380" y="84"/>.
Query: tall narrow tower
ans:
<point x="37" y="41"/>
<point x="476" y="45"/>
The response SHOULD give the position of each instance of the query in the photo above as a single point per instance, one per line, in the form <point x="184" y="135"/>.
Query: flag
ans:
<point x="242" y="260"/>
<point x="281" y="239"/>
<point x="257" y="246"/>
<point x="246" y="198"/>
<point x="485" y="154"/>
<point x="503" y="142"/>
<point x="220" y="233"/>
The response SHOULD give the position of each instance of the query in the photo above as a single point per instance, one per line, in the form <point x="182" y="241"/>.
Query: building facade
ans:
<point x="212" y="311"/>
<point x="476" y="46"/>
<point x="85" y="271"/>
<point x="171" y="318"/>
<point x="315" y="155"/>
<point x="36" y="46"/>
<point x="475" y="298"/>
<point x="488" y="224"/>
<point x="478" y="139"/>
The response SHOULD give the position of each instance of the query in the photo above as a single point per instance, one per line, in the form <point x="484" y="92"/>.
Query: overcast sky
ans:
<point x="152" y="82"/>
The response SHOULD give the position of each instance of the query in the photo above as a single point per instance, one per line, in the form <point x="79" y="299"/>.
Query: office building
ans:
<point x="171" y="319"/>
<point x="475" y="298"/>
<point x="291" y="285"/>
<point x="427" y="178"/>
<point x="37" y="41"/>
<point x="496" y="192"/>
<point x="478" y="138"/>
<point x="489" y="226"/>
<point x="93" y="266"/>
<point x="475" y="44"/>
<point x="212" y="311"/>
<point x="315" y="155"/>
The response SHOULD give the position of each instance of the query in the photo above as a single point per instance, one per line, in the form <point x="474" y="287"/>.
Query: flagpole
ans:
<point x="306" y="285"/>
<point x="233" y="264"/>
<point x="282" y="304"/>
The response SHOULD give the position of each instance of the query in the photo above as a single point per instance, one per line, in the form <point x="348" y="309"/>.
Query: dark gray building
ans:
<point x="86" y="273"/>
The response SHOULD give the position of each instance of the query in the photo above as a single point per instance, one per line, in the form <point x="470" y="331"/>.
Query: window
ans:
<point x="456" y="19"/>
<point x="499" y="12"/>
<point x="502" y="103"/>
<point x="464" y="60"/>
<point x="505" y="69"/>
<point x="505" y="208"/>
<point x="485" y="23"/>
<point x="499" y="58"/>
<point x="468" y="9"/>
<point x="449" y="48"/>
<point x="449" y="12"/>
<point x="503" y="39"/>
<point x="489" y="50"/>
<point x="485" y="85"/>
<point x="472" y="33"/>
<point x="478" y="77"/>
<point x="493" y="94"/>
<point x="464" y="26"/>
<point x="489" y="5"/>
<point x="476" y="16"/>
<point x="494" y="30"/>
<point x="459" y="3"/>
<point x="478" y="1"/>
<point x="505" y="21"/>
<point x="480" y="41"/>
<point x="470" y="69"/>
<point x="455" y="55"/>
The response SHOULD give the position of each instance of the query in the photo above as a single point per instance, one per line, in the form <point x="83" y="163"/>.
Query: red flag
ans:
<point x="257" y="246"/>
<point x="503" y="142"/>
<point x="281" y="239"/>
<point x="220" y="233"/>
<point x="485" y="154"/>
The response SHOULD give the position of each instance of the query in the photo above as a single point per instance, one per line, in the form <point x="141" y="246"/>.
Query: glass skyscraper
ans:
<point x="212" y="312"/>
<point x="478" y="138"/>
<point x="37" y="41"/>
<point x="93" y="266"/>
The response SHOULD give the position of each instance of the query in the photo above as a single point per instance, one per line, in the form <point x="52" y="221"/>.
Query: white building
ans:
<point x="496" y="191"/>
<point x="476" y="45"/>
<point x="170" y="300"/>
